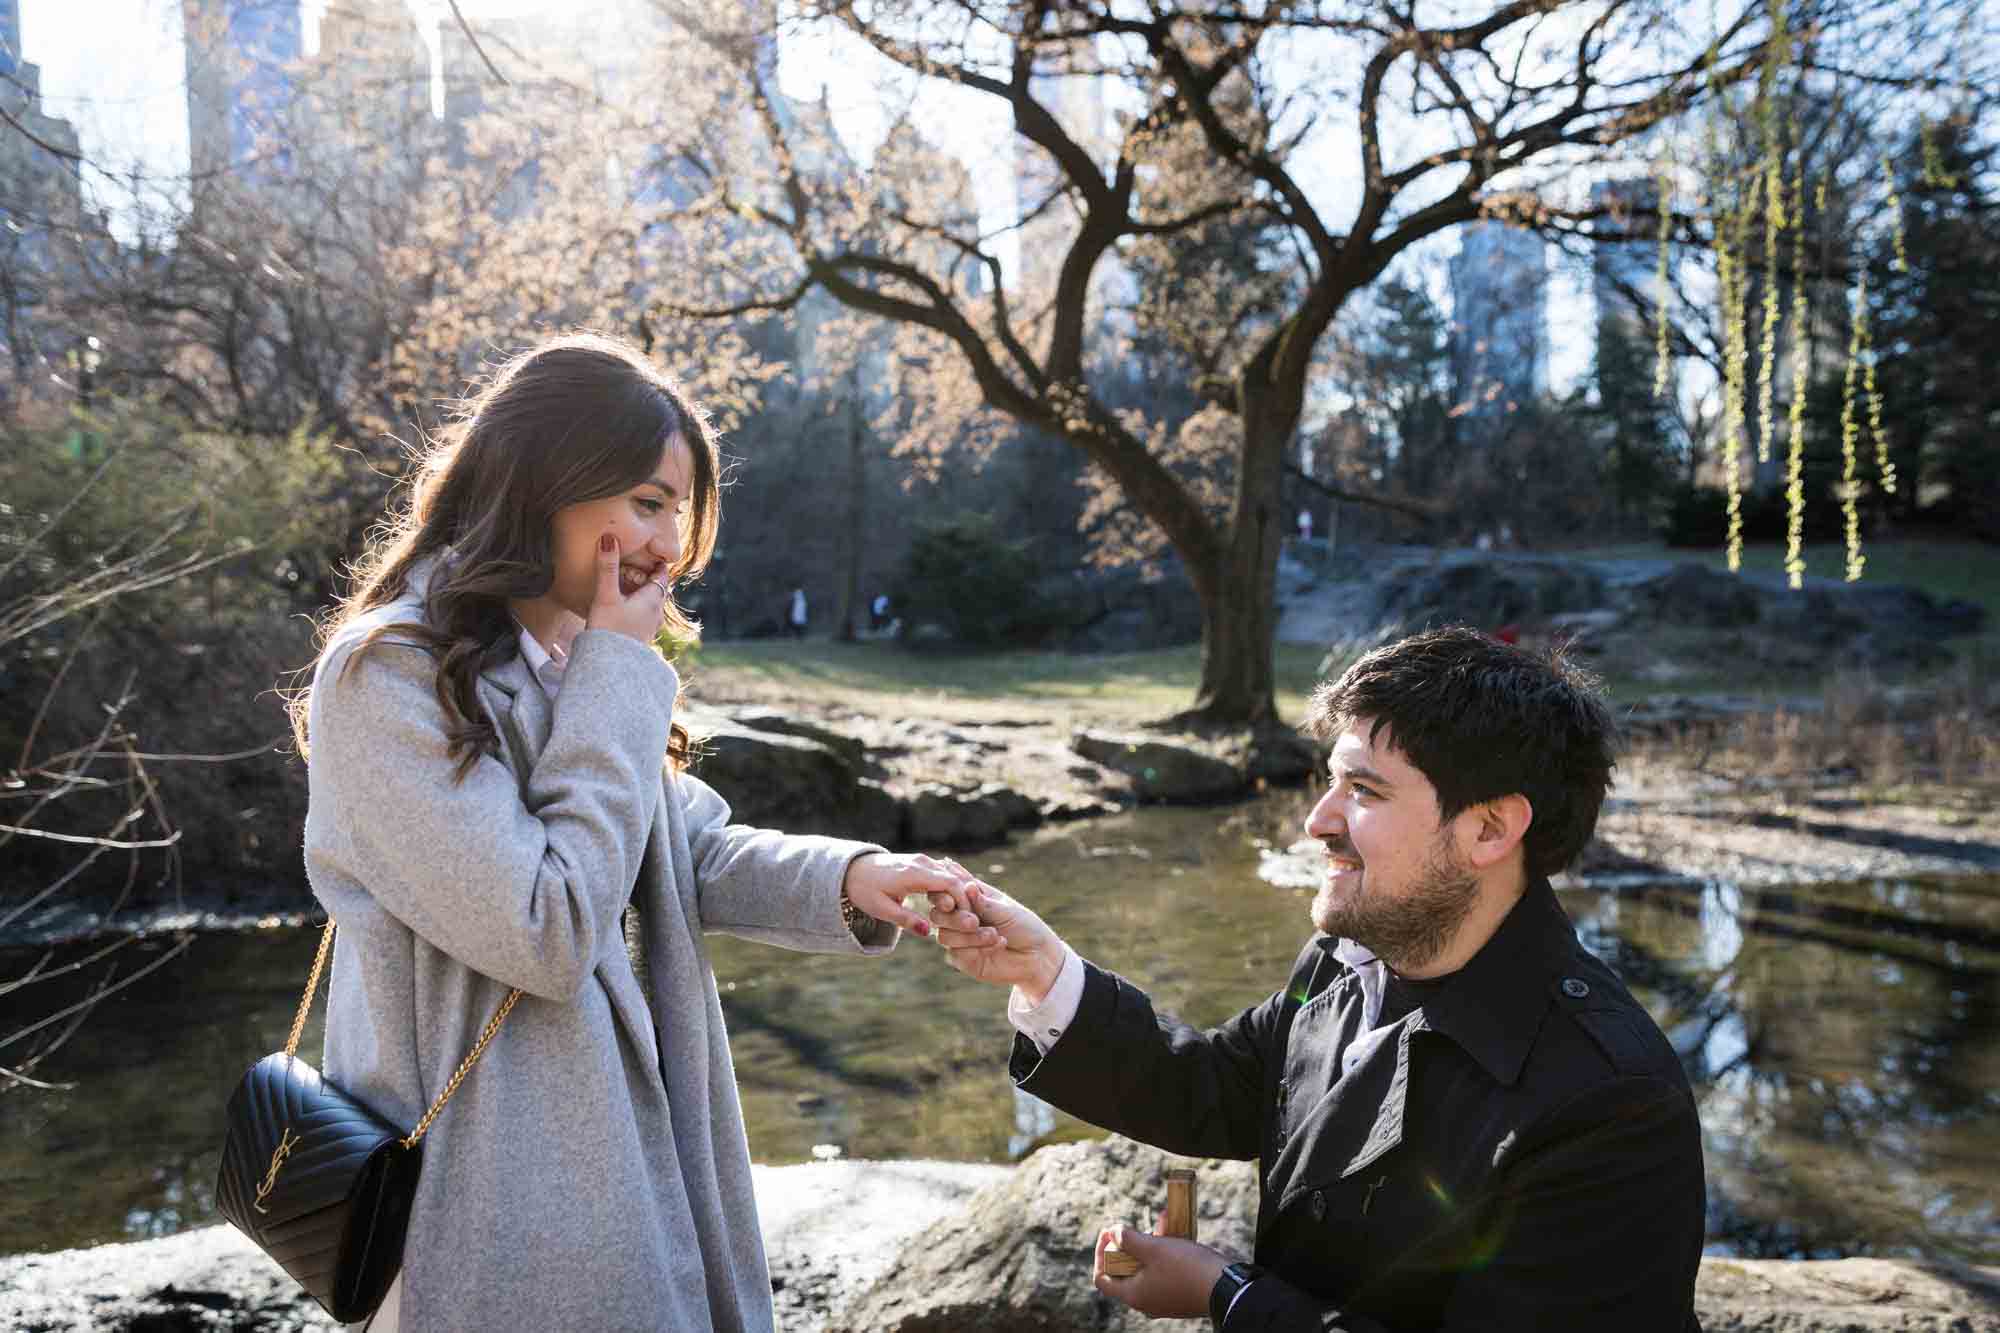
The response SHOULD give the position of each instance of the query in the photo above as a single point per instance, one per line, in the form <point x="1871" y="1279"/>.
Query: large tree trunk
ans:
<point x="1239" y="594"/>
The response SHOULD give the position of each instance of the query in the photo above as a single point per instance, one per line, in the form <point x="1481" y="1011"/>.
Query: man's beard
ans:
<point x="1406" y="930"/>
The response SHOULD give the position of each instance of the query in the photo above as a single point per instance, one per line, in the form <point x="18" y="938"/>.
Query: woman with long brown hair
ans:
<point x="499" y="801"/>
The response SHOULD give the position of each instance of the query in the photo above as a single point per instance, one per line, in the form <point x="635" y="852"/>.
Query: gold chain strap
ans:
<point x="464" y="1067"/>
<point x="492" y="1026"/>
<point x="312" y="985"/>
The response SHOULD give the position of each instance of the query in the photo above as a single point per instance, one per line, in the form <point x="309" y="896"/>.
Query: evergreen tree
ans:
<point x="1936" y="322"/>
<point x="1641" y="456"/>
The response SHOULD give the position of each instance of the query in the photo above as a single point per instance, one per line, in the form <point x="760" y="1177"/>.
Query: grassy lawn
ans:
<point x="882" y="679"/>
<point x="1072" y="689"/>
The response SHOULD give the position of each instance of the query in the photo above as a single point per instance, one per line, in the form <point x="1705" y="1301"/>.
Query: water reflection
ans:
<point x="1843" y="1043"/>
<point x="1842" y="1040"/>
<point x="1034" y="1120"/>
<point x="1721" y="924"/>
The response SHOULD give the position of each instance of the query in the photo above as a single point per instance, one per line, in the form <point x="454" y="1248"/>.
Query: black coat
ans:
<point x="1520" y="1152"/>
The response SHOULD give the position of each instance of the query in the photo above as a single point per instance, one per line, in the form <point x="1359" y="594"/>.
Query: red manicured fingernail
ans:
<point x="924" y="929"/>
<point x="607" y="543"/>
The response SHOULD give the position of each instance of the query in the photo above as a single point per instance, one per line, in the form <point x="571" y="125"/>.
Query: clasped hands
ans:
<point x="992" y="938"/>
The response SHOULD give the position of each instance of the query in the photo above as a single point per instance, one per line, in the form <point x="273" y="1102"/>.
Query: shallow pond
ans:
<point x="1844" y="1040"/>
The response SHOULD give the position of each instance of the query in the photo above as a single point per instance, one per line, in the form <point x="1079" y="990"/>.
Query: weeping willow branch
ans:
<point x="1747" y="147"/>
<point x="1732" y="231"/>
<point x="1767" y="348"/>
<point x="1778" y="56"/>
<point x="1885" y="468"/>
<point x="1850" y="481"/>
<point x="1935" y="177"/>
<point x="1895" y="206"/>
<point x="1795" y="451"/>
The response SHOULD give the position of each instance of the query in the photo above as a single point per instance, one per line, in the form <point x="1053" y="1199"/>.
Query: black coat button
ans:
<point x="1575" y="989"/>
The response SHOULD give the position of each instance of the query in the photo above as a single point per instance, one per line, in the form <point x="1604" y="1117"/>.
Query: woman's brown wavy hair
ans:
<point x="575" y="418"/>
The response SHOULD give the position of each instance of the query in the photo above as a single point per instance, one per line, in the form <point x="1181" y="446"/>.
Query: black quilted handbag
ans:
<point x="319" y="1181"/>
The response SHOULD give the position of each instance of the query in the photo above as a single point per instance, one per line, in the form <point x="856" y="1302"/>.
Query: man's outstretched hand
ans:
<point x="1012" y="947"/>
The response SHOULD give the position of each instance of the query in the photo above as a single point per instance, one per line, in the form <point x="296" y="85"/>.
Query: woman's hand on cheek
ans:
<point x="639" y="615"/>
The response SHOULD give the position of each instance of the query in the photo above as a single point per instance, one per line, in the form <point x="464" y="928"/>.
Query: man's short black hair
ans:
<point x="1481" y="719"/>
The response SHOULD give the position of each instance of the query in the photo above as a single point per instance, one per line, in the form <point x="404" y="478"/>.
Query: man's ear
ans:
<point x="1497" y="829"/>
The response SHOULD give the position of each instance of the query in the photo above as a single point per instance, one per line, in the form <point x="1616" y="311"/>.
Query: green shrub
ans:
<point x="962" y="577"/>
<point x="1698" y="516"/>
<point x="214" y="550"/>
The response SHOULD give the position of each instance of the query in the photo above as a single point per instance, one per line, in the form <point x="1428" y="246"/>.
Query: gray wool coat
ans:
<point x="591" y="1171"/>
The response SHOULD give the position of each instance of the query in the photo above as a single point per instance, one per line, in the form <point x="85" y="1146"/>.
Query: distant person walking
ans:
<point x="1305" y="525"/>
<point x="795" y="619"/>
<point x="878" y="612"/>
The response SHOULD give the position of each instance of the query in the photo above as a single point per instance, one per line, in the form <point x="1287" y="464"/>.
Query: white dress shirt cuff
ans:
<point x="1044" y="1023"/>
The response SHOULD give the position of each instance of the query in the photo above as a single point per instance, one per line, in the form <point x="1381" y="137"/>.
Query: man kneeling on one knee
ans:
<point x="1463" y="1119"/>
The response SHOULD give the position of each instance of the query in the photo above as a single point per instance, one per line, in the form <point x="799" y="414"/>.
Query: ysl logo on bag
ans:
<point x="286" y="1142"/>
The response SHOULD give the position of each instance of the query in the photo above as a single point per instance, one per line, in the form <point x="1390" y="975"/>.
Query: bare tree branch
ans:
<point x="478" y="50"/>
<point x="37" y="140"/>
<point x="1414" y="508"/>
<point x="102" y="992"/>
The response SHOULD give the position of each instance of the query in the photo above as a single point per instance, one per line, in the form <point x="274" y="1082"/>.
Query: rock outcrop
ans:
<point x="1846" y="1296"/>
<point x="923" y="784"/>
<point x="830" y="1228"/>
<point x="792" y="773"/>
<point x="1163" y="770"/>
<point x="1638" y="612"/>
<point x="1017" y="1258"/>
<point x="1488" y="592"/>
<point x="1120" y="610"/>
<point x="924" y="1247"/>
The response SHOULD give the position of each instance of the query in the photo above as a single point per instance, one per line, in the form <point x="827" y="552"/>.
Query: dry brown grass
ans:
<point x="1944" y="736"/>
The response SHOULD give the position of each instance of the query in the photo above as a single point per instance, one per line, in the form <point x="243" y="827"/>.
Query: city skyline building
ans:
<point x="41" y="217"/>
<point x="10" y="37"/>
<point x="1499" y="343"/>
<point x="1621" y="270"/>
<point x="242" y="61"/>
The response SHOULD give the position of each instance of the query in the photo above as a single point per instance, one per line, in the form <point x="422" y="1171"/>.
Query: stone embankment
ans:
<point x="924" y="783"/>
<point x="912" y="783"/>
<point x="923" y="1247"/>
<point x="1651" y="619"/>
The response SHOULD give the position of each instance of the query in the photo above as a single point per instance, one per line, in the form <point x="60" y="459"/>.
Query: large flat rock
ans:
<point x="897" y="1247"/>
<point x="1017" y="1258"/>
<point x="831" y="1228"/>
<point x="1839" y="1295"/>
